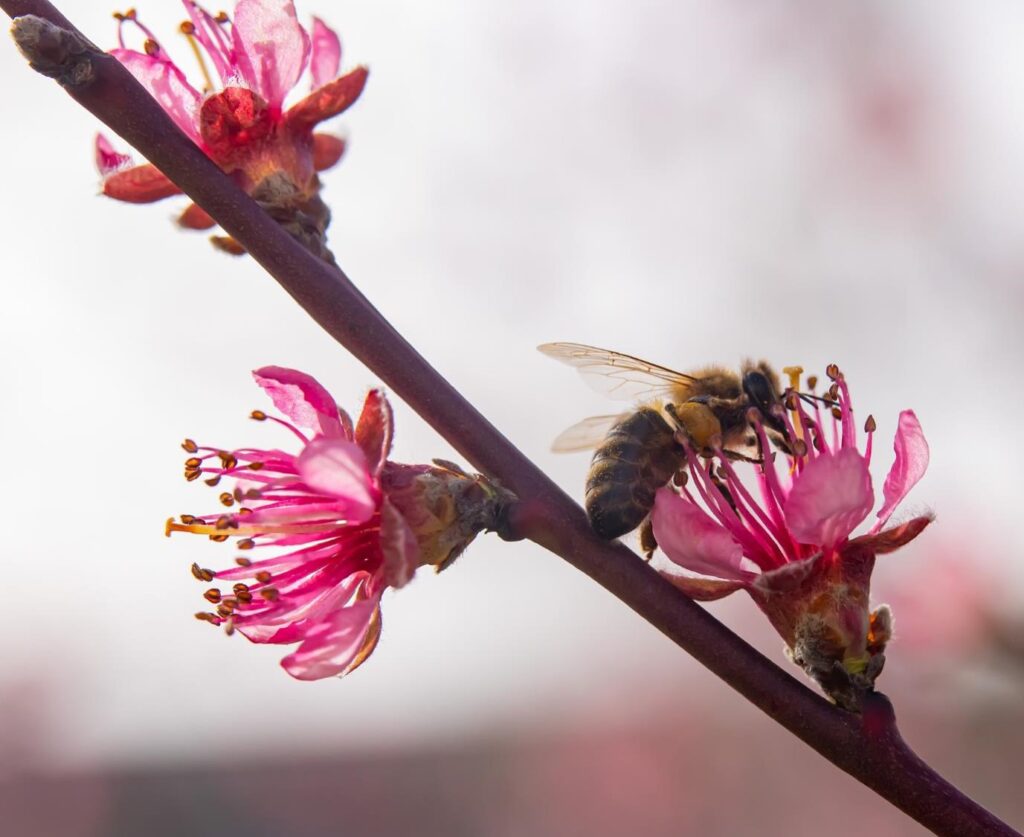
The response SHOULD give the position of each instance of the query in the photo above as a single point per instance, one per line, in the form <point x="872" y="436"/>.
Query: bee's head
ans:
<point x="758" y="388"/>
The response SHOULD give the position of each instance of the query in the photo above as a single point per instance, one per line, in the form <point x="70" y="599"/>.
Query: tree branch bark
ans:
<point x="868" y="747"/>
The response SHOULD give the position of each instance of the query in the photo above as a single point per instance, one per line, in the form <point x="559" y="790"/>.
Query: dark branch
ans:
<point x="867" y="747"/>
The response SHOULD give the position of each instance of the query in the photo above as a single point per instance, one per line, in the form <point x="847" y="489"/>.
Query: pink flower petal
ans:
<point x="375" y="429"/>
<point x="139" y="184"/>
<point x="271" y="47"/>
<point x="326" y="55"/>
<point x="910" y="465"/>
<point x="109" y="160"/>
<point x="398" y="542"/>
<point x="302" y="398"/>
<point x="332" y="646"/>
<point x="338" y="467"/>
<point x="167" y="84"/>
<point x="829" y="498"/>
<point x="690" y="538"/>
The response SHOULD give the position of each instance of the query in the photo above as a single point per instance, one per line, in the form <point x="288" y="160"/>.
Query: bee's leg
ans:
<point x="648" y="543"/>
<point x="736" y="456"/>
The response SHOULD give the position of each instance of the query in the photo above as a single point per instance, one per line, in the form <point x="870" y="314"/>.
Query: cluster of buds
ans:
<point x="238" y="116"/>
<point x="787" y="539"/>
<point x="343" y="521"/>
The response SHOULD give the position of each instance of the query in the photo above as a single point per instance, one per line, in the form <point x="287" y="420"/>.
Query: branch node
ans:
<point x="53" y="51"/>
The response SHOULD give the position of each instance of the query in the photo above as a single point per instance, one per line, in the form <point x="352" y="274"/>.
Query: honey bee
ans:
<point x="640" y="451"/>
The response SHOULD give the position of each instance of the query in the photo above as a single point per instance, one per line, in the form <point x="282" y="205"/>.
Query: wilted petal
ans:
<point x="108" y="160"/>
<point x="196" y="218"/>
<point x="338" y="468"/>
<point x="910" y="465"/>
<point x="829" y="498"/>
<point x="271" y="47"/>
<point x="690" y="538"/>
<point x="398" y="543"/>
<point x="329" y="100"/>
<point x="892" y="539"/>
<point x="334" y="645"/>
<point x="139" y="184"/>
<point x="375" y="429"/>
<point x="327" y="150"/>
<point x="703" y="589"/>
<point x="302" y="398"/>
<point x="326" y="55"/>
<point x="167" y="84"/>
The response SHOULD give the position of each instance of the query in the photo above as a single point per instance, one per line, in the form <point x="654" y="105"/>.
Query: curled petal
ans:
<point x="326" y="55"/>
<point x="107" y="159"/>
<point x="829" y="498"/>
<point x="302" y="398"/>
<point x="196" y="218"/>
<point x="271" y="47"/>
<point x="327" y="150"/>
<point x="398" y="542"/>
<point x="329" y="100"/>
<point x="167" y="84"/>
<point x="336" y="645"/>
<point x="375" y="429"/>
<point x="337" y="467"/>
<point x="787" y="577"/>
<point x="690" y="538"/>
<point x="139" y="184"/>
<point x="892" y="539"/>
<point x="911" y="463"/>
<point x="703" y="589"/>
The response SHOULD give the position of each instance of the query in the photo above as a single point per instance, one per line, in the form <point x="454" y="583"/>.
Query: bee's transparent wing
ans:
<point x="616" y="375"/>
<point x="584" y="435"/>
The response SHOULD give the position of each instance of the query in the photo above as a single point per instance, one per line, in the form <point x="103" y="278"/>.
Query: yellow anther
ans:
<point x="794" y="373"/>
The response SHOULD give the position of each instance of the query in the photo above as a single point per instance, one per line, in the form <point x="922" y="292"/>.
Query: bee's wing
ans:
<point x="584" y="435"/>
<point x="618" y="376"/>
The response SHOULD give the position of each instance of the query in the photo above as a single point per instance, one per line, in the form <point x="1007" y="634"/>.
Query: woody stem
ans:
<point x="867" y="747"/>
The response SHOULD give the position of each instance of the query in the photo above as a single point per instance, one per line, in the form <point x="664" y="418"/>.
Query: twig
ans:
<point x="868" y="747"/>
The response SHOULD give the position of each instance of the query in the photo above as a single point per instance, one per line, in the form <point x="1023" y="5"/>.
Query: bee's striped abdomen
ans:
<point x="638" y="457"/>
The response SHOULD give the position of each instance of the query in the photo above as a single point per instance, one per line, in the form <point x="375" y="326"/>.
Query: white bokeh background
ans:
<point x="689" y="182"/>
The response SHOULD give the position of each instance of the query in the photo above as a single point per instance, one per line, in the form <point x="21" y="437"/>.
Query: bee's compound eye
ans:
<point x="759" y="390"/>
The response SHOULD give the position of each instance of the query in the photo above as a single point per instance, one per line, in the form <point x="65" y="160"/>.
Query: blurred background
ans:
<point x="689" y="182"/>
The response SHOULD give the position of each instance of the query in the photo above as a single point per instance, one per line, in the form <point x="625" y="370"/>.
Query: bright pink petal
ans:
<point x="139" y="184"/>
<point x="910" y="465"/>
<point x="690" y="538"/>
<point x="329" y="100"/>
<point x="338" y="467"/>
<point x="829" y="498"/>
<point x="167" y="84"/>
<point x="326" y="56"/>
<point x="271" y="47"/>
<point x="332" y="646"/>
<point x="302" y="398"/>
<point x="375" y="429"/>
<point x="107" y="159"/>
<point x="398" y="542"/>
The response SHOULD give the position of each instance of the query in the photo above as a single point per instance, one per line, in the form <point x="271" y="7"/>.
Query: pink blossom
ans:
<point x="792" y="546"/>
<point x="336" y="539"/>
<point x="238" y="116"/>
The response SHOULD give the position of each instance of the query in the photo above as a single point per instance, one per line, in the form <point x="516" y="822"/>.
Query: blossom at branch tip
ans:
<point x="341" y="521"/>
<point x="238" y="116"/>
<point x="791" y="545"/>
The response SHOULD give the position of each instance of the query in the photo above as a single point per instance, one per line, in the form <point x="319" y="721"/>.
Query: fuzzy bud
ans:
<point x="444" y="506"/>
